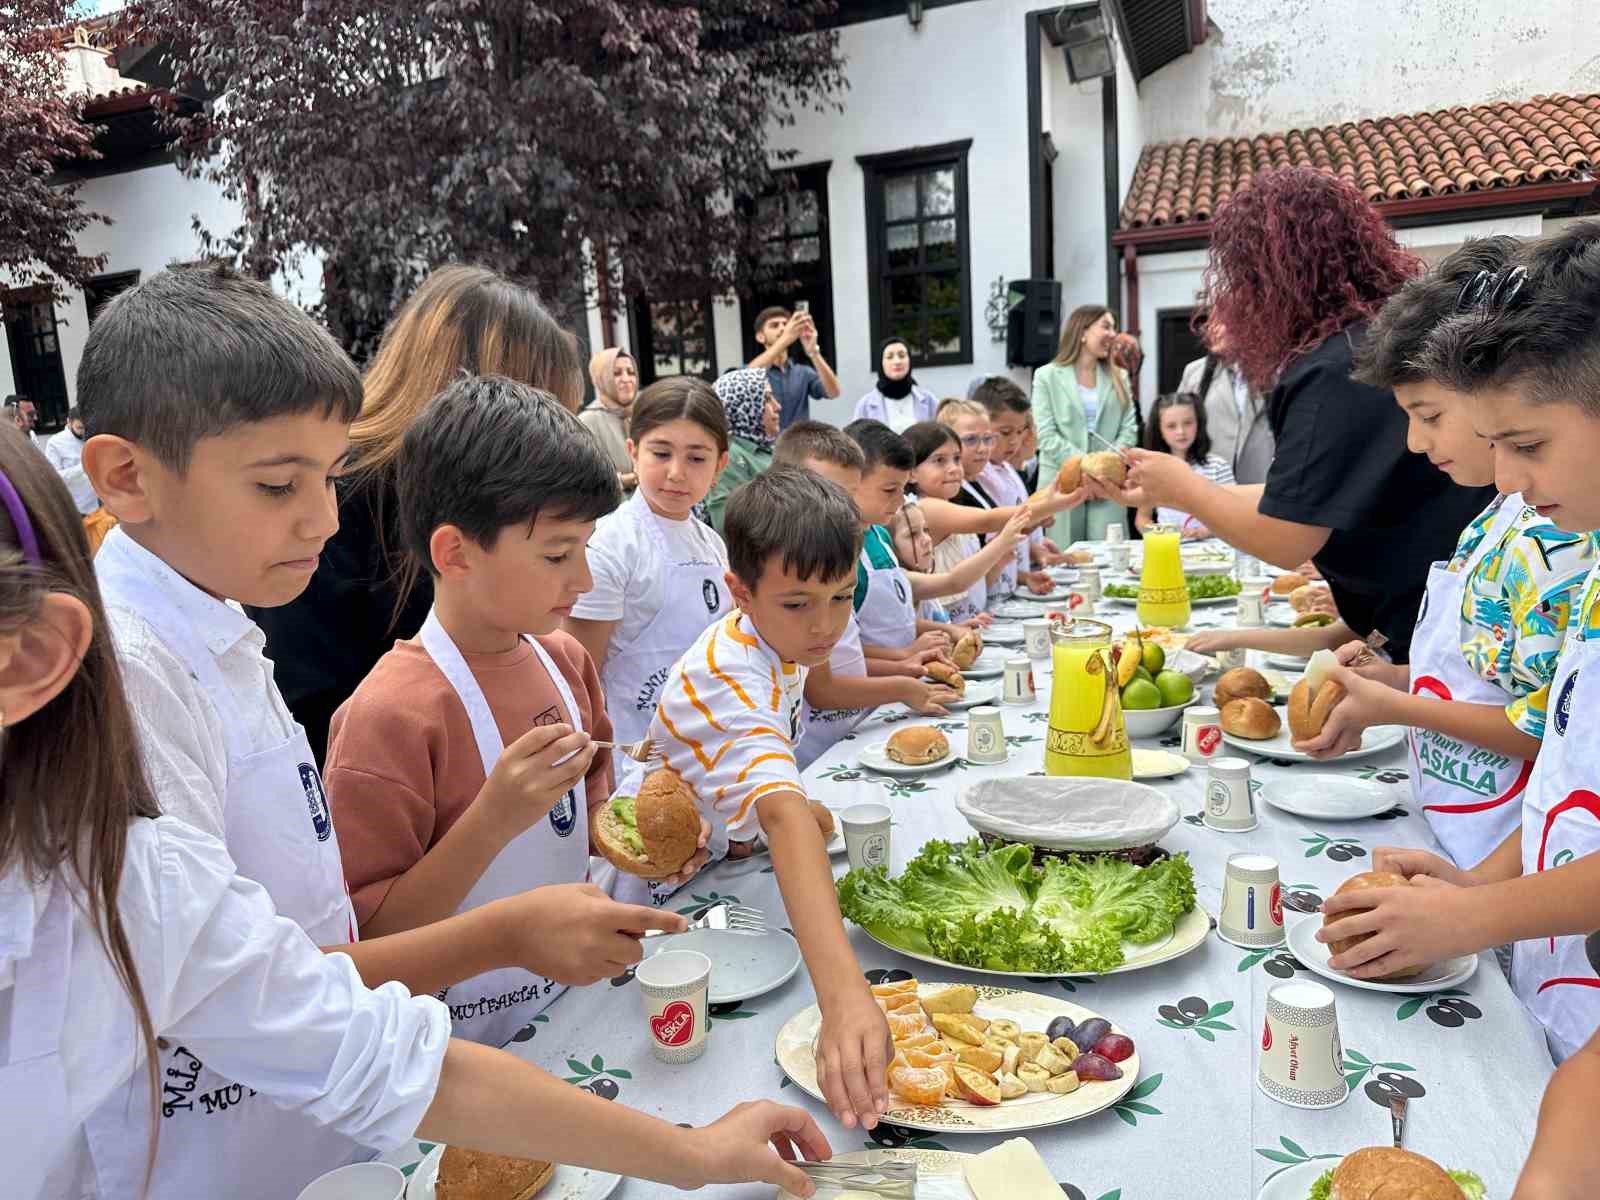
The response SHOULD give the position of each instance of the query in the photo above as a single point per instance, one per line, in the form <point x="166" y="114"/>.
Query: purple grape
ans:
<point x="1091" y="1031"/>
<point x="1096" y="1068"/>
<point x="1117" y="1047"/>
<point x="1062" y="1027"/>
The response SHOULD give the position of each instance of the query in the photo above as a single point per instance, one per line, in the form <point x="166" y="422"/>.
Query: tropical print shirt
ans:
<point x="1517" y="603"/>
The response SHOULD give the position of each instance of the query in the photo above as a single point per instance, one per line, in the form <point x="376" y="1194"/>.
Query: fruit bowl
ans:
<point x="1148" y="722"/>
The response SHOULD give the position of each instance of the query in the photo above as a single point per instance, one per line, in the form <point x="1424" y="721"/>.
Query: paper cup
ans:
<point x="986" y="735"/>
<point x="1252" y="902"/>
<point x="1227" y="660"/>
<point x="1302" y="1060"/>
<point x="358" y="1181"/>
<point x="866" y="835"/>
<point x="1018" y="682"/>
<point x="1115" y="533"/>
<point x="1202" y="732"/>
<point x="1250" y="613"/>
<point x="1230" y="806"/>
<point x="1036" y="638"/>
<point x="1120" y="555"/>
<point x="674" y="985"/>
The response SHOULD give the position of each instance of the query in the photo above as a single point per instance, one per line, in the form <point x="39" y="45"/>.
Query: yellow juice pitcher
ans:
<point x="1163" y="594"/>
<point x="1086" y="735"/>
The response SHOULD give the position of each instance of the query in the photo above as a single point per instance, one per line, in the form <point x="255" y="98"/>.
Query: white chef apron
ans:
<point x="1561" y="822"/>
<point x="968" y="604"/>
<point x="219" y="1138"/>
<point x="33" y="1081"/>
<point x="822" y="727"/>
<point x="1470" y="796"/>
<point x="492" y="1007"/>
<point x="1007" y="488"/>
<point x="888" y="614"/>
<point x="694" y="594"/>
<point x="1007" y="583"/>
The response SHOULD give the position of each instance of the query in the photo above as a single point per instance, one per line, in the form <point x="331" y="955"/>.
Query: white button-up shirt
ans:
<point x="65" y="452"/>
<point x="180" y="730"/>
<point x="241" y="986"/>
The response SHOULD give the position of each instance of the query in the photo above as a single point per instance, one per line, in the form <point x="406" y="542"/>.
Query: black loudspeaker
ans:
<point x="1033" y="323"/>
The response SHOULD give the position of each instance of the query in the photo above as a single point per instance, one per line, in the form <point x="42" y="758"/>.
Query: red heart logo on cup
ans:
<point x="1208" y="738"/>
<point x="1277" y="904"/>
<point x="675" y="1025"/>
<point x="1266" y="1035"/>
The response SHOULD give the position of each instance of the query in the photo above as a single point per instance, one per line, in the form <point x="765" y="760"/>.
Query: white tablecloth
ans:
<point x="1195" y="1125"/>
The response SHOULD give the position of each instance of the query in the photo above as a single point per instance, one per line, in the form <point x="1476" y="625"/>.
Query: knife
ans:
<point x="1117" y="450"/>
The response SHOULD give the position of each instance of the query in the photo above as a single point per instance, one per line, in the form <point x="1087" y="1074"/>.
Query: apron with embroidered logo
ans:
<point x="1007" y="583"/>
<point x="33" y="1081"/>
<point x="694" y="594"/>
<point x="491" y="1007"/>
<point x="1470" y="796"/>
<point x="219" y="1138"/>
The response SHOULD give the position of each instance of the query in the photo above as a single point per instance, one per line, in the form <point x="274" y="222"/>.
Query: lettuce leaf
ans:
<point x="1323" y="1187"/>
<point x="1140" y="904"/>
<point x="1471" y="1186"/>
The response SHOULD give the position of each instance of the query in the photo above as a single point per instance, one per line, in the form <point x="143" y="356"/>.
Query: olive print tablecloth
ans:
<point x="1195" y="1125"/>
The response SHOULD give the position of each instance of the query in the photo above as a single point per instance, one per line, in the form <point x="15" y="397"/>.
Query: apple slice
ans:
<point x="976" y="1087"/>
<point x="981" y="1057"/>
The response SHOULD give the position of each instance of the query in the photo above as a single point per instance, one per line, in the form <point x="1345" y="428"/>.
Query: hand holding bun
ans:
<point x="1250" y="718"/>
<point x="1314" y="697"/>
<point x="1106" y="466"/>
<point x="1363" y="882"/>
<point x="967" y="649"/>
<point x="1314" y="597"/>
<point x="917" y="746"/>
<point x="651" y="835"/>
<point x="947" y="675"/>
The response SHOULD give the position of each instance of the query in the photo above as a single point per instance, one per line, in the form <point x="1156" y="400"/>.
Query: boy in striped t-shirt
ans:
<point x="728" y="721"/>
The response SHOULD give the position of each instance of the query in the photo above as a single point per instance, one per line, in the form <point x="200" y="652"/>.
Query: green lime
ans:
<point x="1141" y="693"/>
<point x="1141" y="673"/>
<point x="1154" y="658"/>
<point x="1174" y="688"/>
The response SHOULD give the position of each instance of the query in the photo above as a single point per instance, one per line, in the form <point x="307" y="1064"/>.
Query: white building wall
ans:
<point x="1073" y="117"/>
<point x="1285" y="64"/>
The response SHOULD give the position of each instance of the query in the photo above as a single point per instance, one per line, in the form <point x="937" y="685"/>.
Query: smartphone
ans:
<point x="802" y="306"/>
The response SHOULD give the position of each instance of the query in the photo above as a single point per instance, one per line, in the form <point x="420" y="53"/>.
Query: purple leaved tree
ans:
<point x="539" y="138"/>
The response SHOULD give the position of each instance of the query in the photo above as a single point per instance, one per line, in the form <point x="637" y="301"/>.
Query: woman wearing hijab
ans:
<point x="897" y="401"/>
<point x="616" y="382"/>
<point x="752" y="428"/>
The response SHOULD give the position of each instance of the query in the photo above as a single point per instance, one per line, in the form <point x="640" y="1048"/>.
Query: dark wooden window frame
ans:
<point x="1170" y="372"/>
<point x="103" y="289"/>
<point x="818" y="290"/>
<point x="643" y="337"/>
<point x="878" y="169"/>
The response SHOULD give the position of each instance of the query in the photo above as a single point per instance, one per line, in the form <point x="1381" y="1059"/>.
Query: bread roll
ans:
<point x="1250" y="718"/>
<point x="967" y="649"/>
<point x="917" y="745"/>
<point x="1382" y="1172"/>
<point x="1106" y="466"/>
<point x="666" y="821"/>
<point x="1070" y="477"/>
<point x="1239" y="683"/>
<point x="1288" y="583"/>
<point x="1361" y="883"/>
<point x="1309" y="708"/>
<point x="477" y="1175"/>
<point x="951" y="678"/>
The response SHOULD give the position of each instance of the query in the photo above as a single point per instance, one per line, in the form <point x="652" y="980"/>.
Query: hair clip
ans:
<point x="19" y="518"/>
<point x="1507" y="288"/>
<point x="1472" y="291"/>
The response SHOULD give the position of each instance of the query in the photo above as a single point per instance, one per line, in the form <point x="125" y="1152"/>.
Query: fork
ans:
<point x="734" y="918"/>
<point x="1397" y="1117"/>
<point x="642" y="751"/>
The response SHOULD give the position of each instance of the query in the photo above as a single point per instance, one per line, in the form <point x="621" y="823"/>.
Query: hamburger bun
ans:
<point x="1385" y="1173"/>
<point x="475" y="1175"/>
<point x="665" y="832"/>
<point x="824" y="818"/>
<point x="1070" y="477"/>
<point x="1287" y="584"/>
<point x="1240" y="683"/>
<point x="1304" y="599"/>
<point x="1309" y="707"/>
<point x="1078" y="558"/>
<point x="1250" y="718"/>
<point x="967" y="649"/>
<point x="1360" y="883"/>
<point x="1106" y="466"/>
<point x="952" y="679"/>
<point x="917" y="746"/>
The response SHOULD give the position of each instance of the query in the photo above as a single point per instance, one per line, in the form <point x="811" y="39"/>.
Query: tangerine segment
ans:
<point x="895" y="989"/>
<point x="903" y="1025"/>
<point x="917" y="1041"/>
<point x="918" y="1085"/>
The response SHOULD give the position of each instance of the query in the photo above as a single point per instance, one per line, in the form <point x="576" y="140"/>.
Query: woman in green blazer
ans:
<point x="1082" y="380"/>
<point x="752" y="427"/>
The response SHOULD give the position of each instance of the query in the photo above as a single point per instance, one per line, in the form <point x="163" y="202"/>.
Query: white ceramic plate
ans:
<point x="1374" y="740"/>
<point x="1282" y="616"/>
<point x="1189" y="933"/>
<point x="568" y="1183"/>
<point x="1003" y="635"/>
<point x="1033" y="1011"/>
<point x="1158" y="764"/>
<point x="1287" y="662"/>
<point x="1329" y="797"/>
<point x="1018" y="610"/>
<point x="991" y="664"/>
<point x="1303" y="944"/>
<point x="872" y="757"/>
<point x="1294" y="1183"/>
<point x="976" y="694"/>
<point x="1060" y="592"/>
<point x="939" y="1172"/>
<point x="742" y="966"/>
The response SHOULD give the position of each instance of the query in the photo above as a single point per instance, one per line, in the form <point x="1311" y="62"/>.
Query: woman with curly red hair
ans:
<point x="1299" y="263"/>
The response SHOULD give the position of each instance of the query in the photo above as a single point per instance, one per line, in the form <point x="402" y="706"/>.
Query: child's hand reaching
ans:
<point x="1017" y="527"/>
<point x="757" y="1142"/>
<point x="1366" y="703"/>
<point x="1411" y="863"/>
<point x="928" y="699"/>
<point x="935" y="640"/>
<point x="853" y="1052"/>
<point x="1210" y="641"/>
<point x="1411" y="926"/>
<point x="533" y="773"/>
<point x="576" y="934"/>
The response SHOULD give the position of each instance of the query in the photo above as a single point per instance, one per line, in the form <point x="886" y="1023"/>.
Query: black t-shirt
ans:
<point x="965" y="497"/>
<point x="1341" y="462"/>
<point x="324" y="642"/>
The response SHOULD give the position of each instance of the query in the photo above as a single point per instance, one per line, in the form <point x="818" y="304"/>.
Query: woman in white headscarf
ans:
<point x="752" y="429"/>
<point x="616" y="384"/>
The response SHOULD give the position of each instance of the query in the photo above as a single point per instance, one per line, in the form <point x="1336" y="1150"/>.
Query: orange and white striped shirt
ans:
<point x="728" y="721"/>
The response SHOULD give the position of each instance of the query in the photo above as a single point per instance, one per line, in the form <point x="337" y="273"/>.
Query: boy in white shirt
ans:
<point x="728" y="722"/>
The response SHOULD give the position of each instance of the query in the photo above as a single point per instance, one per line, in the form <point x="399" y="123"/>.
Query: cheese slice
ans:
<point x="1011" y="1171"/>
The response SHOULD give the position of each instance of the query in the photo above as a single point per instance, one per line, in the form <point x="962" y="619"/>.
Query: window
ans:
<point x="673" y="337"/>
<point x="100" y="291"/>
<point x="1176" y="347"/>
<point x="795" y="261"/>
<point x="917" y="251"/>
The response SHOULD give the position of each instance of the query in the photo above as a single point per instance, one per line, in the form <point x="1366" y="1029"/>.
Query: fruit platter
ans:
<point x="982" y="1059"/>
<point x="1152" y="694"/>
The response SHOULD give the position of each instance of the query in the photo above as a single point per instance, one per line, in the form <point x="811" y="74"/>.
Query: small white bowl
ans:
<point x="1149" y="722"/>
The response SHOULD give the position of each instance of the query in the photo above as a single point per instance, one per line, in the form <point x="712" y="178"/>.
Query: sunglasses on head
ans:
<point x="1491" y="291"/>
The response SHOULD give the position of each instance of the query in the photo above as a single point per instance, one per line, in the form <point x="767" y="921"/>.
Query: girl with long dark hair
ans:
<point x="1177" y="426"/>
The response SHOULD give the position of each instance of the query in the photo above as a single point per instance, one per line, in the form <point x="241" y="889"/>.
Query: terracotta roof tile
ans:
<point x="1502" y="145"/>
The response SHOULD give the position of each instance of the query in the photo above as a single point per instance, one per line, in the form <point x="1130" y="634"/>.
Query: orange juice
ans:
<point x="1086" y="735"/>
<point x="1163" y="594"/>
